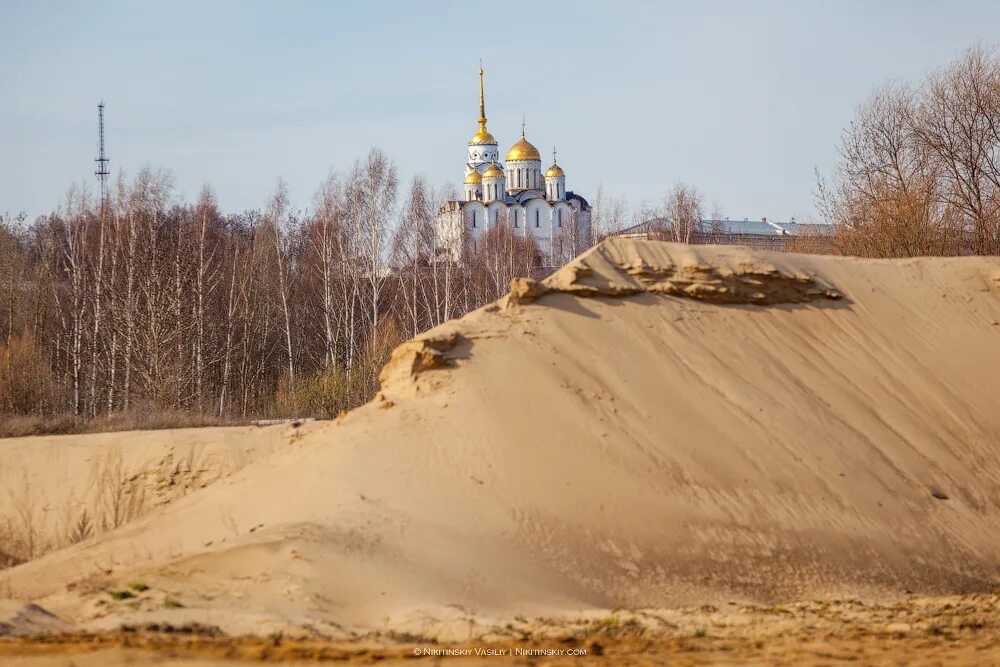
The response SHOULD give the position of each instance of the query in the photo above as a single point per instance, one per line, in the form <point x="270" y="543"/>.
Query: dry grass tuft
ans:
<point x="121" y="498"/>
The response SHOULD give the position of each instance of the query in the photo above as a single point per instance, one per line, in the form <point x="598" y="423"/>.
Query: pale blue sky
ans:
<point x="741" y="99"/>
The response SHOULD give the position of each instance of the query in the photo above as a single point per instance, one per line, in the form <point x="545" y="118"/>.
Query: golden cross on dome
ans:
<point x="553" y="155"/>
<point x="522" y="125"/>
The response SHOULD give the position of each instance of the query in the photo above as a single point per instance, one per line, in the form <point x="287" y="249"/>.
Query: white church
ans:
<point x="517" y="193"/>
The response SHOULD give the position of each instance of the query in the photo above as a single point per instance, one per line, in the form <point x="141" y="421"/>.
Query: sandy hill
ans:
<point x="653" y="425"/>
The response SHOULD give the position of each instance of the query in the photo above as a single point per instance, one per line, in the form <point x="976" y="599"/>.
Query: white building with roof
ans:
<point x="516" y="193"/>
<point x="762" y="233"/>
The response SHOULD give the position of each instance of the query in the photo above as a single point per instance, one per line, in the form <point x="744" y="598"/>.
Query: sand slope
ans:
<point x="49" y="484"/>
<point x="654" y="425"/>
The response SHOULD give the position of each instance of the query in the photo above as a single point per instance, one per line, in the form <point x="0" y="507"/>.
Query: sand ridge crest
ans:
<point x="620" y="268"/>
<point x="624" y="267"/>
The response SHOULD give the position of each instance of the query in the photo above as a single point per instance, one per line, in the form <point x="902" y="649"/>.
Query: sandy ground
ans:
<point x="655" y="426"/>
<point x="914" y="631"/>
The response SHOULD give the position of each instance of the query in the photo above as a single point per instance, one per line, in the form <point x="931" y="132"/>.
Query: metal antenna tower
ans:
<point x="102" y="172"/>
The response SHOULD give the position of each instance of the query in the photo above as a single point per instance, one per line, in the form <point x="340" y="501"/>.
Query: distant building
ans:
<point x="765" y="234"/>
<point x="517" y="192"/>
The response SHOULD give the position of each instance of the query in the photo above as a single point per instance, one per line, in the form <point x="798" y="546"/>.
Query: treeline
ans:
<point x="919" y="167"/>
<point x="148" y="304"/>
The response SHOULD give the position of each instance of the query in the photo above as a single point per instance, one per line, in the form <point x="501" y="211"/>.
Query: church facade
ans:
<point x="516" y="193"/>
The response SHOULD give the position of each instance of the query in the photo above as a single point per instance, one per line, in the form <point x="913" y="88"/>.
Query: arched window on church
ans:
<point x="515" y="217"/>
<point x="537" y="223"/>
<point x="559" y="217"/>
<point x="518" y="178"/>
<point x="473" y="219"/>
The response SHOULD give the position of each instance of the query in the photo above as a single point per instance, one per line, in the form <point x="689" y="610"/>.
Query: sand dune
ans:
<point x="654" y="425"/>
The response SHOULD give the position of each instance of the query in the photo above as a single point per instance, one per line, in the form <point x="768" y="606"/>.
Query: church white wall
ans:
<point x="538" y="218"/>
<point x="555" y="243"/>
<point x="555" y="188"/>
<point x="481" y="155"/>
<point x="475" y="218"/>
<point x="524" y="175"/>
<point x="562" y="217"/>
<point x="492" y="189"/>
<point x="497" y="213"/>
<point x="515" y="214"/>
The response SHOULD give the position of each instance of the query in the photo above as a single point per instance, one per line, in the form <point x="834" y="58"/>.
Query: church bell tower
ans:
<point x="483" y="148"/>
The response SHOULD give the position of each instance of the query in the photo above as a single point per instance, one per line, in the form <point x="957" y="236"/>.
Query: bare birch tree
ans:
<point x="281" y="227"/>
<point x="682" y="211"/>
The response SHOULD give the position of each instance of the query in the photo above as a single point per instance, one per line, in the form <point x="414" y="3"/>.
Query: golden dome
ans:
<point x="493" y="171"/>
<point x="474" y="178"/>
<point x="555" y="170"/>
<point x="523" y="150"/>
<point x="482" y="137"/>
